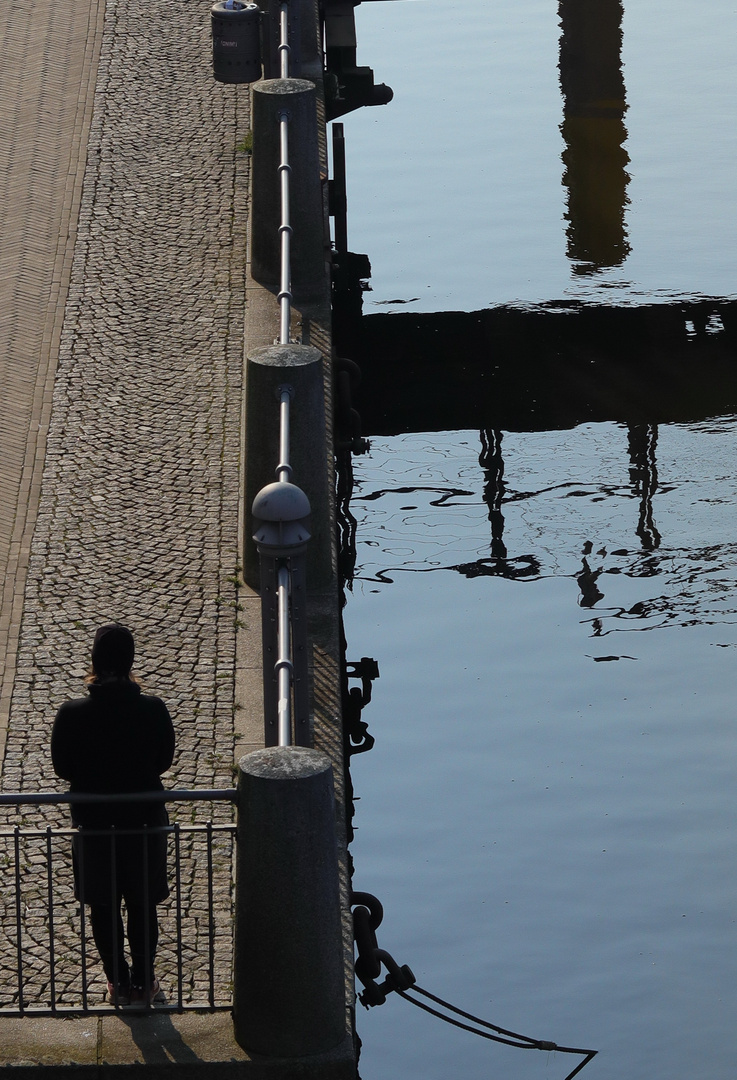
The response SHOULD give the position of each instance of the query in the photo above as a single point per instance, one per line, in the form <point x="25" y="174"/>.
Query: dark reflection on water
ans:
<point x="441" y="520"/>
<point x="445" y="496"/>
<point x="492" y="462"/>
<point x="505" y="369"/>
<point x="591" y="594"/>
<point x="593" y="128"/>
<point x="643" y="439"/>
<point x="642" y="203"/>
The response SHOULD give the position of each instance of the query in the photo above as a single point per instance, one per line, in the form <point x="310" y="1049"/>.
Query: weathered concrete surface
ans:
<point x="189" y="1047"/>
<point x="288" y="996"/>
<point x="123" y="315"/>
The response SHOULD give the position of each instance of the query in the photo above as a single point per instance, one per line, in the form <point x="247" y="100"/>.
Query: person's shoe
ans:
<point x="139" y="998"/>
<point x="120" y="995"/>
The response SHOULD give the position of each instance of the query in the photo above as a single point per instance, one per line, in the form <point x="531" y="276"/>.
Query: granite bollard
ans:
<point x="300" y="367"/>
<point x="289" y="981"/>
<point x="294" y="98"/>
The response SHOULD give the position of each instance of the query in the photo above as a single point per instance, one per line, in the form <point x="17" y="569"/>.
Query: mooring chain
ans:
<point x="359" y="740"/>
<point x="367" y="917"/>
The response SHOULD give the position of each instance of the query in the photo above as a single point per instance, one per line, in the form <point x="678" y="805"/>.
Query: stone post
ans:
<point x="272" y="99"/>
<point x="301" y="368"/>
<point x="305" y="45"/>
<point x="289" y="988"/>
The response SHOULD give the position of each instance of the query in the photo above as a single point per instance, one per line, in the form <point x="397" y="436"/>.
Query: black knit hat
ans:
<point x="113" y="650"/>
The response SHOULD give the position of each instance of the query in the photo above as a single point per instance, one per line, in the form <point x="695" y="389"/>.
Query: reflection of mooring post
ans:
<point x="642" y="441"/>
<point x="593" y="128"/>
<point x="492" y="462"/>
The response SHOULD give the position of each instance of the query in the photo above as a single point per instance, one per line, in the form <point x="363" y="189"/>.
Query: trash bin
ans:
<point x="236" y="41"/>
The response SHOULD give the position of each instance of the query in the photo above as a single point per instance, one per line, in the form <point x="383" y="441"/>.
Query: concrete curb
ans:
<point x="192" y="1046"/>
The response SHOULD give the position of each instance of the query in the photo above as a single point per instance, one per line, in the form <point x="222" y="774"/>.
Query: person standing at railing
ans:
<point x="118" y="739"/>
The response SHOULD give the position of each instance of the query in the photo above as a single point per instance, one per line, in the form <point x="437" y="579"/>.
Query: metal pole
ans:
<point x="284" y="48"/>
<point x="270" y="645"/>
<point x="270" y="370"/>
<point x="83" y="928"/>
<point x="284" y="469"/>
<point x="178" y="879"/>
<point x="285" y="229"/>
<point x="148" y="977"/>
<point x="283" y="667"/>
<point x="18" y="920"/>
<point x="210" y="918"/>
<point x="285" y="233"/>
<point x="281" y="514"/>
<point x="338" y="190"/>
<point x="115" y="915"/>
<point x="38" y="798"/>
<point x="50" y="901"/>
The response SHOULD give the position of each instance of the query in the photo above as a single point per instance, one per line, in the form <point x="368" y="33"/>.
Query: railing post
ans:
<point x="305" y="44"/>
<point x="268" y="369"/>
<point x="272" y="99"/>
<point x="281" y="515"/>
<point x="289" y="981"/>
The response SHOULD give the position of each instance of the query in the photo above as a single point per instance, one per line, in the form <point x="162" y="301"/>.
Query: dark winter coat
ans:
<point x="116" y="740"/>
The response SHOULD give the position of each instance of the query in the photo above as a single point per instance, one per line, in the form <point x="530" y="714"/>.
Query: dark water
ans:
<point x="548" y="813"/>
<point x="505" y="172"/>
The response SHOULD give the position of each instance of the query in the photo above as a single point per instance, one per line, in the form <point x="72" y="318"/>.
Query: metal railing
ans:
<point x="49" y="965"/>
<point x="281" y="512"/>
<point x="285" y="228"/>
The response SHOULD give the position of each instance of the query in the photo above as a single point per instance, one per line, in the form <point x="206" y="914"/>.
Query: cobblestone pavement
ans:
<point x="137" y="513"/>
<point x="48" y="60"/>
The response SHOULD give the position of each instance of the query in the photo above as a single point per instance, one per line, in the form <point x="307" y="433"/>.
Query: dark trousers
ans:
<point x="143" y="935"/>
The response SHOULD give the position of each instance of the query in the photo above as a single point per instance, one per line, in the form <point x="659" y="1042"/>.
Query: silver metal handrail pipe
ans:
<point x="285" y="234"/>
<point x="284" y="46"/>
<point x="284" y="468"/>
<point x="281" y="510"/>
<point x="280" y="513"/>
<point x="37" y="798"/>
<point x="285" y="228"/>
<point x="284" y="667"/>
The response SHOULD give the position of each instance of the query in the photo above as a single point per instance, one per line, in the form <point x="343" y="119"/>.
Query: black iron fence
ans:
<point x="49" y="965"/>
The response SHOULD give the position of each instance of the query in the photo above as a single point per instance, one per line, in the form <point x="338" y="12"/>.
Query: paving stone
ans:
<point x="136" y="516"/>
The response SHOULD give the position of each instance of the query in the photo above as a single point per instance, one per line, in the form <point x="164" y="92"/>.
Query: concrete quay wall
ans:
<point x="128" y="309"/>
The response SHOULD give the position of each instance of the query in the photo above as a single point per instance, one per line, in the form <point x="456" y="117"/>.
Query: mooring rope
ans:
<point x="508" y="1038"/>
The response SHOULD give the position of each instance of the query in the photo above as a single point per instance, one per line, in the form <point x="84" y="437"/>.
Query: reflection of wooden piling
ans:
<point x="642" y="441"/>
<point x="594" y="131"/>
<point x="491" y="461"/>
